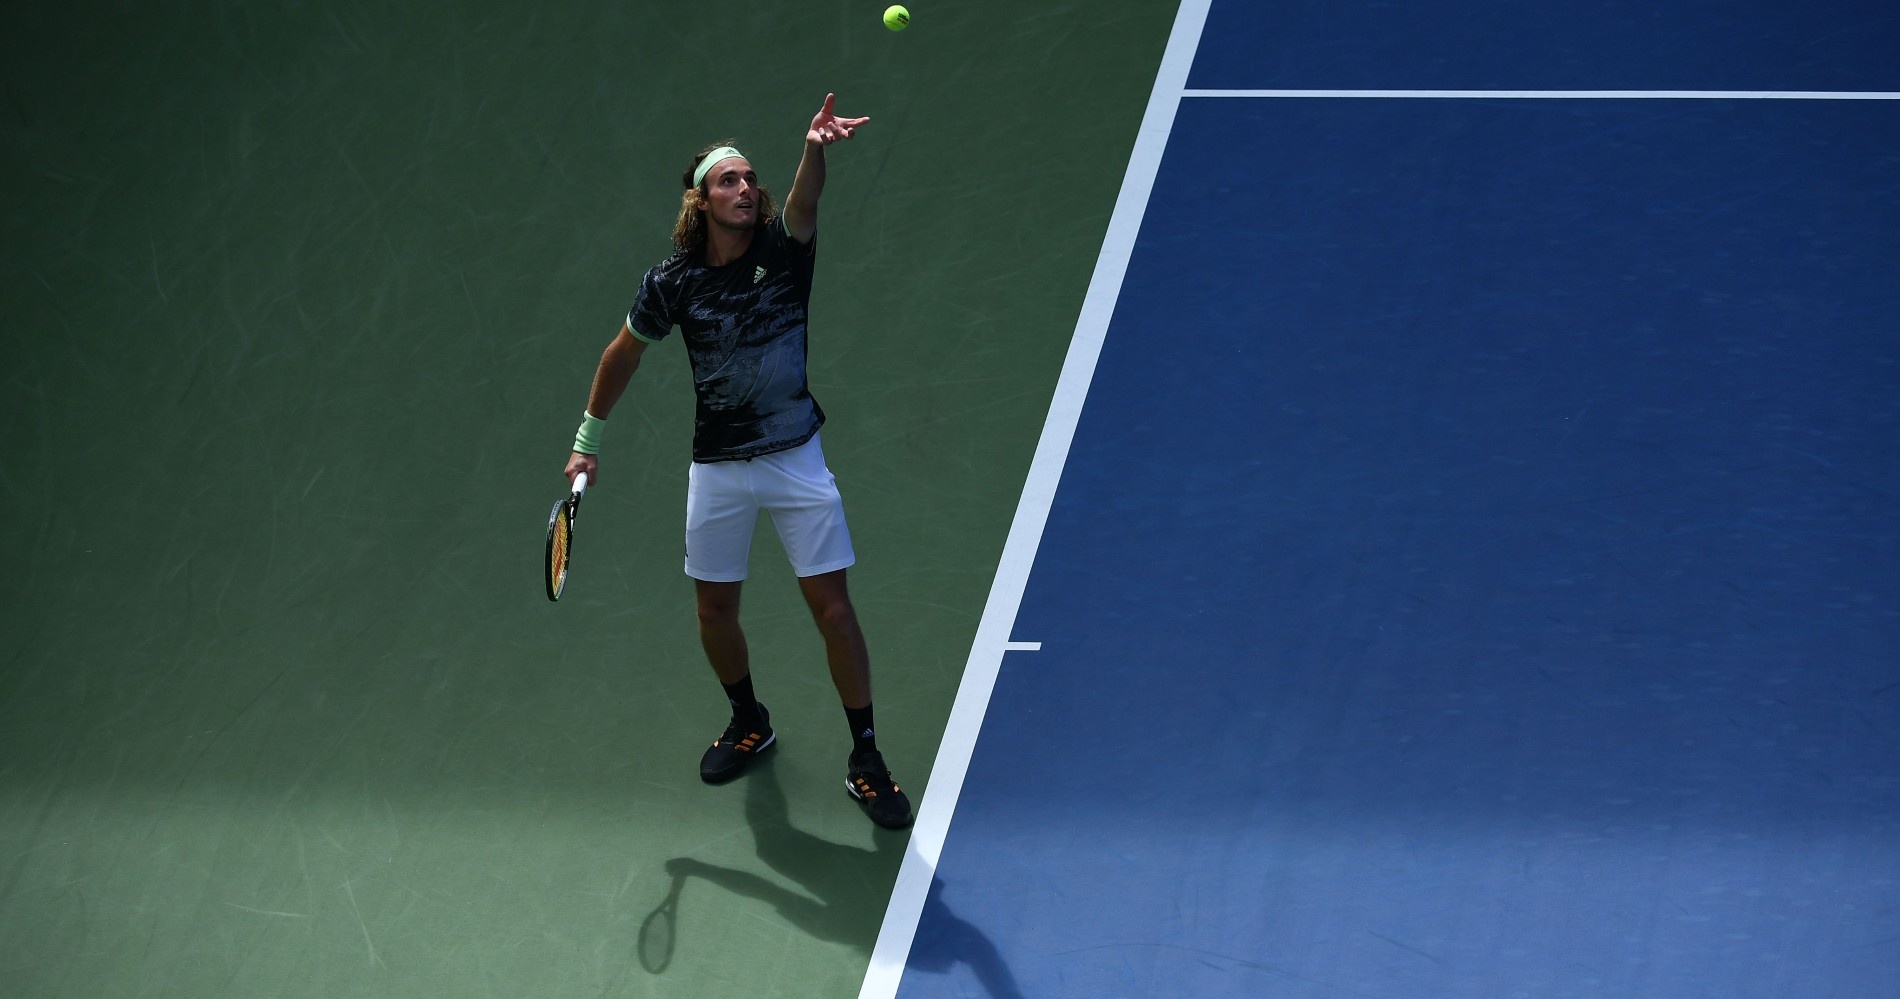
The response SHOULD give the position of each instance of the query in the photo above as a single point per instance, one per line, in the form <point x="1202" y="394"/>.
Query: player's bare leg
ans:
<point x="750" y="732"/>
<point x="719" y="631"/>
<point x="845" y="650"/>
<point x="866" y="776"/>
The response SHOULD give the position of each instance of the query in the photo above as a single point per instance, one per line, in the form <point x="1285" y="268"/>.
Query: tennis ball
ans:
<point x="896" y="17"/>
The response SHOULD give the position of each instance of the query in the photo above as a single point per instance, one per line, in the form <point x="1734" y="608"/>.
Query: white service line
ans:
<point x="1032" y="513"/>
<point x="1566" y="95"/>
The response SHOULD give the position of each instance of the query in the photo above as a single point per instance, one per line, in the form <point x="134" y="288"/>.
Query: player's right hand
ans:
<point x="578" y="463"/>
<point x="827" y="127"/>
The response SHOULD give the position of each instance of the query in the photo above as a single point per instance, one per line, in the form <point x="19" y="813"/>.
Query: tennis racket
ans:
<point x="561" y="536"/>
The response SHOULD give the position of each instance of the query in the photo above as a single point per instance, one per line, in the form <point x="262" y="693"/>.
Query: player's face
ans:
<point x="732" y="195"/>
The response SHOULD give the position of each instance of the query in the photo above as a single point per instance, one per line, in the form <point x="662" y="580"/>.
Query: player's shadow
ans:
<point x="945" y="941"/>
<point x="832" y="894"/>
<point x="835" y="892"/>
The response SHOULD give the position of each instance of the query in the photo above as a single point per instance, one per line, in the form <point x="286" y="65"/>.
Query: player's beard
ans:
<point x="731" y="225"/>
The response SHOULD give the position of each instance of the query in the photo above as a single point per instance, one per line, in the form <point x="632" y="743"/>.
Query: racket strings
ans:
<point x="560" y="543"/>
<point x="557" y="561"/>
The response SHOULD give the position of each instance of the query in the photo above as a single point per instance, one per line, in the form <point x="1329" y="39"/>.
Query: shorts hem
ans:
<point x="825" y="567"/>
<point x="715" y="577"/>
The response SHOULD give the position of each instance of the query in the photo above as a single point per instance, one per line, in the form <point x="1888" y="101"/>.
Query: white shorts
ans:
<point x="723" y="500"/>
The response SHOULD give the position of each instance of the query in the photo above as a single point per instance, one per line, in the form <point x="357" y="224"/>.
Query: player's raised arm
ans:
<point x="801" y="206"/>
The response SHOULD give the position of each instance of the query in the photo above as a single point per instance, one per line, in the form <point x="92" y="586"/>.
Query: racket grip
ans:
<point x="580" y="484"/>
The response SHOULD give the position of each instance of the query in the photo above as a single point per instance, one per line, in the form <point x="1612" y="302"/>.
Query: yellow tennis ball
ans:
<point x="896" y="17"/>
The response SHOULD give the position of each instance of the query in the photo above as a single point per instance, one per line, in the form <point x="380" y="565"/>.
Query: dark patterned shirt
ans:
<point x="745" y="335"/>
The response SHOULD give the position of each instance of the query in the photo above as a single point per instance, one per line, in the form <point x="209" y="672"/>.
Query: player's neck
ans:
<point x="723" y="246"/>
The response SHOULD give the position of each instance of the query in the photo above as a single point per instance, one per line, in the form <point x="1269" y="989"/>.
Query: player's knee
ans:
<point x="717" y="610"/>
<point x="836" y="617"/>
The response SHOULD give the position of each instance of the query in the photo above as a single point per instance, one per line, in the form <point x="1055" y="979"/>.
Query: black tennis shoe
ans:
<point x="869" y="781"/>
<point x="741" y="743"/>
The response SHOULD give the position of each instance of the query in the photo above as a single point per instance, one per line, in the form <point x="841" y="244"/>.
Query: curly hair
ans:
<point x="689" y="230"/>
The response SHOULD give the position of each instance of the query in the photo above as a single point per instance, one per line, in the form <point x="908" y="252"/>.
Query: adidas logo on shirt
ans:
<point x="758" y="274"/>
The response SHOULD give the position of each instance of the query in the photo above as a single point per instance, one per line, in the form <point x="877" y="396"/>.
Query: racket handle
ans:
<point x="580" y="484"/>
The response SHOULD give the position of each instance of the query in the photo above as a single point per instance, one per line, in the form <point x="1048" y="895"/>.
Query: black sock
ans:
<point x="863" y="733"/>
<point x="745" y="707"/>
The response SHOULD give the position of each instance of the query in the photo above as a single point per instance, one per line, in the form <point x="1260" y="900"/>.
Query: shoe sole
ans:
<point x="724" y="776"/>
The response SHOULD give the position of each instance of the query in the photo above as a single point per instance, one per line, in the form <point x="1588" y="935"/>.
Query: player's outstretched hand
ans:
<point x="828" y="128"/>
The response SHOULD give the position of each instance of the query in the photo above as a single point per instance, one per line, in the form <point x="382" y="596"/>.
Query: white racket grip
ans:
<point x="580" y="484"/>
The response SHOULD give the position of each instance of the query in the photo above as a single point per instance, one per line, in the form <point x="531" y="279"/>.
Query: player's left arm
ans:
<point x="801" y="205"/>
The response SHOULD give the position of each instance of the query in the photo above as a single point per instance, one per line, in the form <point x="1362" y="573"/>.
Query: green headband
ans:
<point x="722" y="153"/>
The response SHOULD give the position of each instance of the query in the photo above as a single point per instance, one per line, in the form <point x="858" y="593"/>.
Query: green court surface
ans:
<point x="301" y="303"/>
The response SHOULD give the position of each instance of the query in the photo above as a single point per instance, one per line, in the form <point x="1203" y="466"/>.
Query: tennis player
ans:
<point x="738" y="287"/>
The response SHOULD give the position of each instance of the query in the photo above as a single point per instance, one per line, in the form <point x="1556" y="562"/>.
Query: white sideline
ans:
<point x="1032" y="513"/>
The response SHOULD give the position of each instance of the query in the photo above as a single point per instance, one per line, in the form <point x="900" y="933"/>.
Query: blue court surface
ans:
<point x="1474" y="571"/>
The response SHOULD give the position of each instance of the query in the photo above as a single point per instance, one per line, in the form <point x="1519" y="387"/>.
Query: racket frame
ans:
<point x="567" y="508"/>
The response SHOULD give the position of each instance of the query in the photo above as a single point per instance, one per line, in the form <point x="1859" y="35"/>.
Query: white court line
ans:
<point x="1566" y="95"/>
<point x="1022" y="646"/>
<point x="1032" y="512"/>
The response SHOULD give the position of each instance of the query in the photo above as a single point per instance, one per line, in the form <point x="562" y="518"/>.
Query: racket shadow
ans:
<point x="657" y="931"/>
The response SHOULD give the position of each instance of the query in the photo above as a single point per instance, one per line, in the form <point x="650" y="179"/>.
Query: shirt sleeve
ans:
<point x="789" y="246"/>
<point x="651" y="318"/>
<point x="801" y="258"/>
